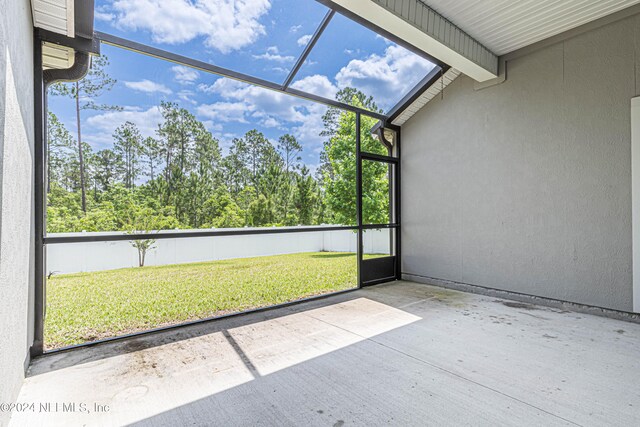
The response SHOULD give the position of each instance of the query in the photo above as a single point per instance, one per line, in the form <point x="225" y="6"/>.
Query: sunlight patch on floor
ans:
<point x="284" y="342"/>
<point x="149" y="381"/>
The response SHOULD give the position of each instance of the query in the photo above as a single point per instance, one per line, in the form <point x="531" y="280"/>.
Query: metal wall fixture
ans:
<point x="374" y="271"/>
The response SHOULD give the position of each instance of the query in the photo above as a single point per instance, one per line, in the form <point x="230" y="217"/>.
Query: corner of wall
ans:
<point x="635" y="198"/>
<point x="502" y="76"/>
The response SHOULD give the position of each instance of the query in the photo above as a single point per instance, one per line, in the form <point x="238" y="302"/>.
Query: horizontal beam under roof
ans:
<point x="225" y="72"/>
<point x="415" y="23"/>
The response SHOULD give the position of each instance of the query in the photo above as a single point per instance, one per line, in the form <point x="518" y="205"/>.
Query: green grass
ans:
<point x="90" y="306"/>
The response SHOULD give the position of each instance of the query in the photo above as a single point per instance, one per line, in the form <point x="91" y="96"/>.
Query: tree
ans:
<point x="260" y="212"/>
<point x="108" y="167"/>
<point x="205" y="176"/>
<point x="271" y="176"/>
<point x="142" y="221"/>
<point x="84" y="92"/>
<point x="235" y="172"/>
<point x="128" y="145"/>
<point x="206" y="152"/>
<point x="339" y="164"/>
<point x="221" y="211"/>
<point x="152" y="154"/>
<point x="256" y="148"/>
<point x="261" y="182"/>
<point x="305" y="196"/>
<point x="252" y="169"/>
<point x="290" y="149"/>
<point x="177" y="134"/>
<point x="60" y="147"/>
<point x="143" y="246"/>
<point x="351" y="96"/>
<point x="190" y="155"/>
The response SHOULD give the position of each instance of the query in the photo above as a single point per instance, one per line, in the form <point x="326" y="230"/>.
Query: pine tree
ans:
<point x="290" y="150"/>
<point x="84" y="92"/>
<point x="128" y="145"/>
<point x="152" y="154"/>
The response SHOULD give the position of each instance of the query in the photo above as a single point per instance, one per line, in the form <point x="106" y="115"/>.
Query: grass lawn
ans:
<point x="85" y="307"/>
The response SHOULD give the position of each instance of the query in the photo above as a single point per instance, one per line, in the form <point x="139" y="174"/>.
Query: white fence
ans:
<point x="97" y="256"/>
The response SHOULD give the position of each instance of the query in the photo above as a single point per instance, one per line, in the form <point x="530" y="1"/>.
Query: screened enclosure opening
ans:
<point x="221" y="154"/>
<point x="379" y="242"/>
<point x="97" y="290"/>
<point x="155" y="160"/>
<point x="377" y="192"/>
<point x="187" y="179"/>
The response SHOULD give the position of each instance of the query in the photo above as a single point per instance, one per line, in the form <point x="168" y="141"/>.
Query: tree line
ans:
<point x="179" y="178"/>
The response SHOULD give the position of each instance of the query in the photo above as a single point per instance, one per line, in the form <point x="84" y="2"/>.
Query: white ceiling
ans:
<point x="507" y="25"/>
<point x="54" y="15"/>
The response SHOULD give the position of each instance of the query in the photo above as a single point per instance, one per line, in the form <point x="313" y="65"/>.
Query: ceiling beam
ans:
<point x="425" y="29"/>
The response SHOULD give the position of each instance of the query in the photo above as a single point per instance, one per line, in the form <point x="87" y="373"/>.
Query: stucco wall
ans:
<point x="526" y="186"/>
<point x="16" y="195"/>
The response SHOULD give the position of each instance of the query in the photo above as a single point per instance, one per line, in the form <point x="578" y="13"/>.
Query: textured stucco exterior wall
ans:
<point x="526" y="186"/>
<point x="16" y="195"/>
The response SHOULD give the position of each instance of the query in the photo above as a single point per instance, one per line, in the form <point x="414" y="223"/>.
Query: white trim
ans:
<point x="635" y="198"/>
<point x="71" y="21"/>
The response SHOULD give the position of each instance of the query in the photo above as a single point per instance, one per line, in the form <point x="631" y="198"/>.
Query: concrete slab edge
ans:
<point x="525" y="298"/>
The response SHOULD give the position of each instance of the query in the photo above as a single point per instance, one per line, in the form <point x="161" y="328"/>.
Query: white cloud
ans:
<point x="295" y="28"/>
<point x="270" y="122"/>
<point x="272" y="54"/>
<point x="225" y="111"/>
<point x="225" y="25"/>
<point x="271" y="57"/>
<point x="184" y="75"/>
<point x="304" y="40"/>
<point x="99" y="128"/>
<point x="187" y="96"/>
<point x="384" y="39"/>
<point x="385" y="77"/>
<point x="273" y="109"/>
<point x="317" y="85"/>
<point x="213" y="126"/>
<point x="205" y="88"/>
<point x="104" y="16"/>
<point x="148" y="86"/>
<point x="259" y="102"/>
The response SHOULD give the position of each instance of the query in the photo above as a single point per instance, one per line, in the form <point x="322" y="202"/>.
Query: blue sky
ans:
<point x="262" y="38"/>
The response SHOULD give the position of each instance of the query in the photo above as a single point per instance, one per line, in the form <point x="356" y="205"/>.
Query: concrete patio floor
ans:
<point x="399" y="354"/>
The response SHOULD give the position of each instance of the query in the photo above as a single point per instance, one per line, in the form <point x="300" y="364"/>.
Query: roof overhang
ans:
<point x="504" y="27"/>
<point x="425" y="29"/>
<point x="57" y="16"/>
<point x="66" y="26"/>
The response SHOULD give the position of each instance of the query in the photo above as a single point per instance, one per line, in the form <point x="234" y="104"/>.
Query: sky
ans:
<point x="261" y="38"/>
